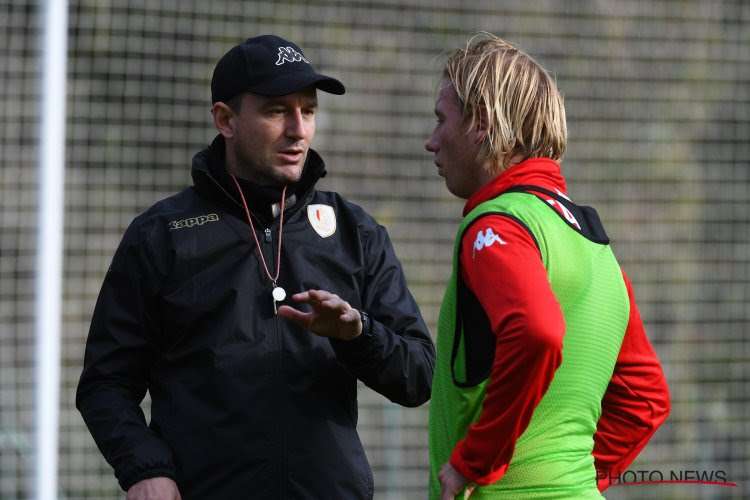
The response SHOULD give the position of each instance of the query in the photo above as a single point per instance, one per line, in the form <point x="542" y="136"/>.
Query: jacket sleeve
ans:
<point x="119" y="350"/>
<point x="503" y="268"/>
<point x="395" y="355"/>
<point x="635" y="405"/>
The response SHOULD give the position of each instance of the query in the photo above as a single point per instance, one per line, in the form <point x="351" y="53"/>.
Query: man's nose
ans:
<point x="430" y="145"/>
<point x="296" y="125"/>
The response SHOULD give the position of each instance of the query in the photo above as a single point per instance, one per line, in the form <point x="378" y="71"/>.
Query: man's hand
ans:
<point x="453" y="482"/>
<point x="331" y="316"/>
<point x="155" y="488"/>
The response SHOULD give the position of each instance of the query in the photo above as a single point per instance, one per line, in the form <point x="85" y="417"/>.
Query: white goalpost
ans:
<point x="51" y="206"/>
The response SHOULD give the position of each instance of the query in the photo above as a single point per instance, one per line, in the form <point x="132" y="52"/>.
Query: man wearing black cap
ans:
<point x="253" y="395"/>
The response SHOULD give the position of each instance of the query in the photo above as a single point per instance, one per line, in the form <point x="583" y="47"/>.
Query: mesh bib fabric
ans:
<point x="552" y="457"/>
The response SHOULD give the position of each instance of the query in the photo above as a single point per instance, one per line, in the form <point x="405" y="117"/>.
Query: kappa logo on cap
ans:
<point x="322" y="219"/>
<point x="288" y="54"/>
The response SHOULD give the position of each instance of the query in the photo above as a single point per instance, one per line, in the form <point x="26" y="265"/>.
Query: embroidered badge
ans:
<point x="486" y="238"/>
<point x="322" y="219"/>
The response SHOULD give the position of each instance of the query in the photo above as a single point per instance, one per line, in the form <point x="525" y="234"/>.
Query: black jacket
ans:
<point x="245" y="404"/>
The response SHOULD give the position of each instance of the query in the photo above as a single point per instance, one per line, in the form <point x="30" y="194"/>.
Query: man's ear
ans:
<point x="223" y="116"/>
<point x="481" y="125"/>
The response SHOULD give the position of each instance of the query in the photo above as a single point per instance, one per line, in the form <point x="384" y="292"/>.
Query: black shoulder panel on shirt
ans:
<point x="473" y="325"/>
<point x="587" y="218"/>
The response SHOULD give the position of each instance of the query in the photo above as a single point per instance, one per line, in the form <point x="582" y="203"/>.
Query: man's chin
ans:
<point x="288" y="174"/>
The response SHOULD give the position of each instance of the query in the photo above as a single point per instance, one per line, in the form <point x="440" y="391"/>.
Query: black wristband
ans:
<point x="366" y="322"/>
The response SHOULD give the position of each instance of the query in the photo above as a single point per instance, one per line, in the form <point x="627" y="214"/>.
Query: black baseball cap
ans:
<point x="267" y="65"/>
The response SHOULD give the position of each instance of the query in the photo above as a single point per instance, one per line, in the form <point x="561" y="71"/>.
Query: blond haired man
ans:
<point x="545" y="384"/>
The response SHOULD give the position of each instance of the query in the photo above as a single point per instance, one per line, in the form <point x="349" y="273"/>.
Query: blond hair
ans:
<point x="524" y="110"/>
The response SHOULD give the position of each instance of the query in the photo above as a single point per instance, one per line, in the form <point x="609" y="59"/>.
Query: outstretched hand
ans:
<point x="331" y="316"/>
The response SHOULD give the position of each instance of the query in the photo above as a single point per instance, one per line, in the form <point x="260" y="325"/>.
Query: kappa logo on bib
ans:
<point x="322" y="219"/>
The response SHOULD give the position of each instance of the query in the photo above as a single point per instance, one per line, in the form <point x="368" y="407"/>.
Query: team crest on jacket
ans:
<point x="322" y="219"/>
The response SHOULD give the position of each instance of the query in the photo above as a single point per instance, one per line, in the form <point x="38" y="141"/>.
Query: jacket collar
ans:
<point x="540" y="172"/>
<point x="211" y="178"/>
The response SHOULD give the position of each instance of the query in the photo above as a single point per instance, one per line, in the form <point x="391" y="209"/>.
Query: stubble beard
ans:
<point x="265" y="173"/>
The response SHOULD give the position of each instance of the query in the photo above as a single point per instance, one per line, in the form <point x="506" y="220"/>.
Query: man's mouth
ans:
<point x="292" y="155"/>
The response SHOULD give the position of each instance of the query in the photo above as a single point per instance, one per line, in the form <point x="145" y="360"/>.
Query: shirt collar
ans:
<point x="540" y="172"/>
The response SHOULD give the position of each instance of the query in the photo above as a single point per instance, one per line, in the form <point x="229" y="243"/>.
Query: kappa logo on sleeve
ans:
<point x="288" y="54"/>
<point x="192" y="221"/>
<point x="484" y="239"/>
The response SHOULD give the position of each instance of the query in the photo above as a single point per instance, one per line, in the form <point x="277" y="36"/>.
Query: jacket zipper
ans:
<point x="279" y="346"/>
